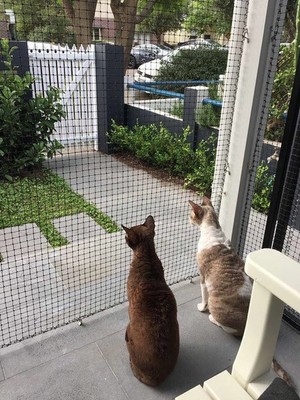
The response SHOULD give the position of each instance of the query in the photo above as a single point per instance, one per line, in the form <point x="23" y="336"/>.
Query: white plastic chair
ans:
<point x="276" y="280"/>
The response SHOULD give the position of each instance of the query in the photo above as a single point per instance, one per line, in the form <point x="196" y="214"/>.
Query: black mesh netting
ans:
<point x="106" y="117"/>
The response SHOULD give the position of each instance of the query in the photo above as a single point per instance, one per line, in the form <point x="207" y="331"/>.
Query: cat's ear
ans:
<point x="206" y="201"/>
<point x="149" y="223"/>
<point x="198" y="210"/>
<point x="131" y="237"/>
<point x="125" y="229"/>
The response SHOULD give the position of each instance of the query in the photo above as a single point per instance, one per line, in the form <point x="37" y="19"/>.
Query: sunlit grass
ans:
<point x="41" y="199"/>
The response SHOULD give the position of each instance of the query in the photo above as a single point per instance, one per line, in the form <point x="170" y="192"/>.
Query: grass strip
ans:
<point x="42" y="198"/>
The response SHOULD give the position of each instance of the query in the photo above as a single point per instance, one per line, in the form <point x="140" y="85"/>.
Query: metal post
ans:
<point x="110" y="90"/>
<point x="20" y="57"/>
<point x="193" y="97"/>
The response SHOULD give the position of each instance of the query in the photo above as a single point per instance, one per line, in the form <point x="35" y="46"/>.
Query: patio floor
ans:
<point x="91" y="361"/>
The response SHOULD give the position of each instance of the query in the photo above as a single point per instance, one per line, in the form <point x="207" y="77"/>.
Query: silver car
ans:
<point x="146" y="52"/>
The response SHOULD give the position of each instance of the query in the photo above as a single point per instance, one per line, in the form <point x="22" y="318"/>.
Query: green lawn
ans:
<point x="41" y="199"/>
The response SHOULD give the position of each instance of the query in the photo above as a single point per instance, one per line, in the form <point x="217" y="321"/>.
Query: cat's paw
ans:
<point x="202" y="307"/>
<point x="211" y="318"/>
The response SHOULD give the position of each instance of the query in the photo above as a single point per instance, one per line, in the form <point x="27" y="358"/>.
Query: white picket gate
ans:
<point x="73" y="71"/>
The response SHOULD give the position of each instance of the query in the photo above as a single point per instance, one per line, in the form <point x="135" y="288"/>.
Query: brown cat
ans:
<point x="225" y="287"/>
<point x="152" y="335"/>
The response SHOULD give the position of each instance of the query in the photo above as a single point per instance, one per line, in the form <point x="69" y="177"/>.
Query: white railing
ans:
<point x="73" y="71"/>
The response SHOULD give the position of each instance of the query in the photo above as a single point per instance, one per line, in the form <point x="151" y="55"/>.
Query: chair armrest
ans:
<point x="276" y="272"/>
<point x="276" y="282"/>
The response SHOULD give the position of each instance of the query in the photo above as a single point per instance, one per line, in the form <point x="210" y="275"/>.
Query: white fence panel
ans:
<point x="73" y="71"/>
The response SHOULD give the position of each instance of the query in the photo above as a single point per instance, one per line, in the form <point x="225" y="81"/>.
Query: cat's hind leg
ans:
<point x="204" y="293"/>
<point x="225" y="328"/>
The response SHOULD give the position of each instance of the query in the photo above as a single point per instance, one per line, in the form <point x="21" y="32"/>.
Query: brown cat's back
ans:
<point x="152" y="335"/>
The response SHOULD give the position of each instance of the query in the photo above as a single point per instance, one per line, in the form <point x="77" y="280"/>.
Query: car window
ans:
<point x="161" y="46"/>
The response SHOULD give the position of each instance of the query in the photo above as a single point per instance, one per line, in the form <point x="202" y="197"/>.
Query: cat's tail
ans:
<point x="282" y="373"/>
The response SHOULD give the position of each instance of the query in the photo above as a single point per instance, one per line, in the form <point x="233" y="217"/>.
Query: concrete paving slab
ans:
<point x="35" y="299"/>
<point x="187" y="291"/>
<point x="19" y="241"/>
<point x="48" y="346"/>
<point x="90" y="260"/>
<point x="77" y="227"/>
<point x="29" y="287"/>
<point x="93" y="174"/>
<point x="82" y="374"/>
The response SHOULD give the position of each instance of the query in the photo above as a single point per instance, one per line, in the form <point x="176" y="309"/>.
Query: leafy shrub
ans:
<point x="206" y="115"/>
<point x="209" y="115"/>
<point x="26" y="124"/>
<point x="197" y="64"/>
<point x="282" y="90"/>
<point x="201" y="177"/>
<point x="173" y="153"/>
<point x="263" y="188"/>
<point x="177" y="109"/>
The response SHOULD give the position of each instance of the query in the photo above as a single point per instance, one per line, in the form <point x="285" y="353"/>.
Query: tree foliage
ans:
<point x="164" y="18"/>
<point x="216" y="15"/>
<point x="41" y="20"/>
<point x="210" y="15"/>
<point x="290" y="21"/>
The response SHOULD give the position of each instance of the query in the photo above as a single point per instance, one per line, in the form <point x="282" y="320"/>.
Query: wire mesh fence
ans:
<point x="66" y="185"/>
<point x="265" y="156"/>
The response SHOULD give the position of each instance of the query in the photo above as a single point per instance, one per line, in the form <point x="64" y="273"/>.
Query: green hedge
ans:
<point x="198" y="64"/>
<point x="158" y="147"/>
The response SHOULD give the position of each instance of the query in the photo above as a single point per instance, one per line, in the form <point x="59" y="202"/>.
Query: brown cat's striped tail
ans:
<point x="282" y="373"/>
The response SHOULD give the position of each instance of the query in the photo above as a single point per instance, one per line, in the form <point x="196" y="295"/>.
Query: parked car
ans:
<point x="146" y="52"/>
<point x="200" y="42"/>
<point x="149" y="70"/>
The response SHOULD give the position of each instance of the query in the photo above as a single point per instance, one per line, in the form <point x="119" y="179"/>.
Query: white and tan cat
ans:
<point x="225" y="287"/>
